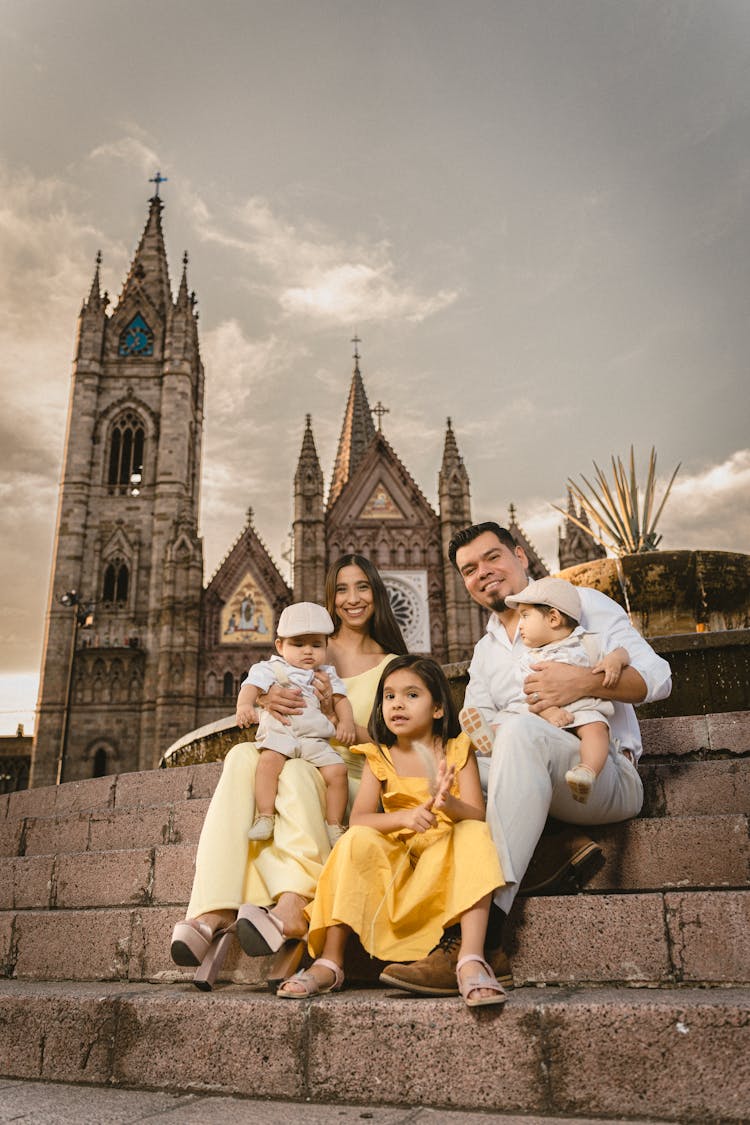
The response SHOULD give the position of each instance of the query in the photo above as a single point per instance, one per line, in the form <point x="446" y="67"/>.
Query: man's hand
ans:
<point x="553" y="684"/>
<point x="280" y="702"/>
<point x="246" y="715"/>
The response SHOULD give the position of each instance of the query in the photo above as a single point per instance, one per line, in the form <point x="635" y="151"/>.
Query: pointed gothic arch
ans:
<point x="126" y="449"/>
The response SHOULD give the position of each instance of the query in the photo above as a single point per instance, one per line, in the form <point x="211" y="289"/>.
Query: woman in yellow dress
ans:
<point x="399" y="876"/>
<point x="281" y="874"/>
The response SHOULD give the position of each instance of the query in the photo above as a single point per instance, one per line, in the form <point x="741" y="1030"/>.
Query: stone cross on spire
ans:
<point x="156" y="180"/>
<point x="379" y="410"/>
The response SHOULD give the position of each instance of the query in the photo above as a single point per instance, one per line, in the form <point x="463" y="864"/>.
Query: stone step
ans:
<point x="676" y="738"/>
<point x="652" y="938"/>
<point x="682" y="787"/>
<point x="696" y="852"/>
<point x="676" y="1055"/>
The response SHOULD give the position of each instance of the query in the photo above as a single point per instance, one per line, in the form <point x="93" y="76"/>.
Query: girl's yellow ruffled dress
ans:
<point x="399" y="890"/>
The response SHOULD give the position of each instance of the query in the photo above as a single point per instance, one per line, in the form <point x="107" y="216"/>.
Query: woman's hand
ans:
<point x="322" y="687"/>
<point x="419" y="819"/>
<point x="281" y="702"/>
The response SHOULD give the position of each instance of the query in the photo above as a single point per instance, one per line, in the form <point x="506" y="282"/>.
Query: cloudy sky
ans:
<point x="535" y="213"/>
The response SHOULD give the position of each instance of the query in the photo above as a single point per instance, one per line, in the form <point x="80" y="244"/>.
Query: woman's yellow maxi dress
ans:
<point x="229" y="870"/>
<point x="399" y="890"/>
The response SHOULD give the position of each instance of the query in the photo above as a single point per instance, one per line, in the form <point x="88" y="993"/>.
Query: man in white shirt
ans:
<point x="525" y="775"/>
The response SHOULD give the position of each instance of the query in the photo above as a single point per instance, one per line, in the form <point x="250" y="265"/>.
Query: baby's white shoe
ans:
<point x="262" y="828"/>
<point x="335" y="832"/>
<point x="478" y="729"/>
<point x="580" y="781"/>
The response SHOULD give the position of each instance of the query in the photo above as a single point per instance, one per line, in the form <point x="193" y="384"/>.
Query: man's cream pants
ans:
<point x="525" y="782"/>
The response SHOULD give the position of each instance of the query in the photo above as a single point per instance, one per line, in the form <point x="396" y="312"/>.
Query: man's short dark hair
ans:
<point x="469" y="534"/>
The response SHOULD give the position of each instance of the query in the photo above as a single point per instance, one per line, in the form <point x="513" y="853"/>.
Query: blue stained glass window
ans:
<point x="137" y="338"/>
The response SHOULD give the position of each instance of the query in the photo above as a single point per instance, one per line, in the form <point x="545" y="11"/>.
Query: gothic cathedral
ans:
<point x="137" y="651"/>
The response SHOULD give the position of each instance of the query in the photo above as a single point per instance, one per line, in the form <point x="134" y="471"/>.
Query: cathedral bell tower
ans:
<point x="120" y="659"/>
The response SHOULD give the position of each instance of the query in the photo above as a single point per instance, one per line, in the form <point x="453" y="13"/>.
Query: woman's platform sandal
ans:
<point x="309" y="985"/>
<point x="213" y="962"/>
<point x="258" y="931"/>
<point x="478" y="729"/>
<point x="191" y="941"/>
<point x="483" y="978"/>
<point x="286" y="962"/>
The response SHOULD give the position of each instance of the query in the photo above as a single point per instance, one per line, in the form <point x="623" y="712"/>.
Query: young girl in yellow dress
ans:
<point x="399" y="876"/>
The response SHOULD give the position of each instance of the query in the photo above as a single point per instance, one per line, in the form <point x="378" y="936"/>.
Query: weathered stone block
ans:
<point x="7" y="948"/>
<point x="33" y="881"/>
<point x="684" y="1056"/>
<point x="151" y="930"/>
<point x="588" y="938"/>
<point x="32" y="802"/>
<point x="73" y="945"/>
<point x="10" y="836"/>
<point x="152" y="787"/>
<point x="188" y="821"/>
<point x="243" y="1043"/>
<point x="710" y="936"/>
<point x="696" y="788"/>
<point x="205" y="779"/>
<point x="51" y="835"/>
<point x="59" y="1036"/>
<point x="80" y="796"/>
<point x="680" y="735"/>
<point x="730" y="731"/>
<point x="174" y="868"/>
<point x="117" y="878"/>
<point x="698" y="851"/>
<point x="130" y="828"/>
<point x="391" y="1048"/>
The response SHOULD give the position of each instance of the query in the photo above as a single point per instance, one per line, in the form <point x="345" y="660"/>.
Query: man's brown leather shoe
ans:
<point x="562" y="863"/>
<point x="435" y="974"/>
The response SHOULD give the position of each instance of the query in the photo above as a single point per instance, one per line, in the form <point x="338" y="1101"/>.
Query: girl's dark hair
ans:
<point x="384" y="627"/>
<point x="433" y="678"/>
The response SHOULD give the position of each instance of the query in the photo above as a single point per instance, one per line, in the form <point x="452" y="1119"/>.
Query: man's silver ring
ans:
<point x="536" y="696"/>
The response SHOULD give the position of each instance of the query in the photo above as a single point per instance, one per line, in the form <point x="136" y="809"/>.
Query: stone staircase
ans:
<point x="645" y="1013"/>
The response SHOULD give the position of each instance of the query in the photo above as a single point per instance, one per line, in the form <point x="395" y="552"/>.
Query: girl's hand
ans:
<point x="246" y="716"/>
<point x="446" y="775"/>
<point x="280" y="702"/>
<point x="322" y="687"/>
<point x="420" y="818"/>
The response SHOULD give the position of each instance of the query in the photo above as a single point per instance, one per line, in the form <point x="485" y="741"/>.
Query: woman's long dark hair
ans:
<point x="433" y="678"/>
<point x="384" y="627"/>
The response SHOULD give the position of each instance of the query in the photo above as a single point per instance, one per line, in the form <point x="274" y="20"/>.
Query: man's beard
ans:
<point x="496" y="604"/>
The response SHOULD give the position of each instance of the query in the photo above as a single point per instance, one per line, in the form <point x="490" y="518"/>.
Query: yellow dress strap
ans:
<point x="375" y="759"/>
<point x="457" y="751"/>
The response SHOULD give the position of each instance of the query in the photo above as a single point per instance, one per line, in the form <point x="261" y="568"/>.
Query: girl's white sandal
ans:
<point x="481" y="979"/>
<point x="310" y="986"/>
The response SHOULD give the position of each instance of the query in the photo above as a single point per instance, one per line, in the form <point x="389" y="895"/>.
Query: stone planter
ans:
<point x="667" y="592"/>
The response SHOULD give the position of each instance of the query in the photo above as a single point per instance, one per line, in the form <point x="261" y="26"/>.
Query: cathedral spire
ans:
<point x="183" y="297"/>
<point x="309" y="523"/>
<point x="148" y="276"/>
<point x="95" y="293"/>
<point x="357" y="431"/>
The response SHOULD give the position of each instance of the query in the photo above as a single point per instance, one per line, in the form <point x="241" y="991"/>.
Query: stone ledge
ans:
<point x="683" y="1056"/>
<point x="651" y="938"/>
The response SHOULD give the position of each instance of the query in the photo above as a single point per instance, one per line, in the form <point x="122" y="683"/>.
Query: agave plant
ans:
<point x="622" y="511"/>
